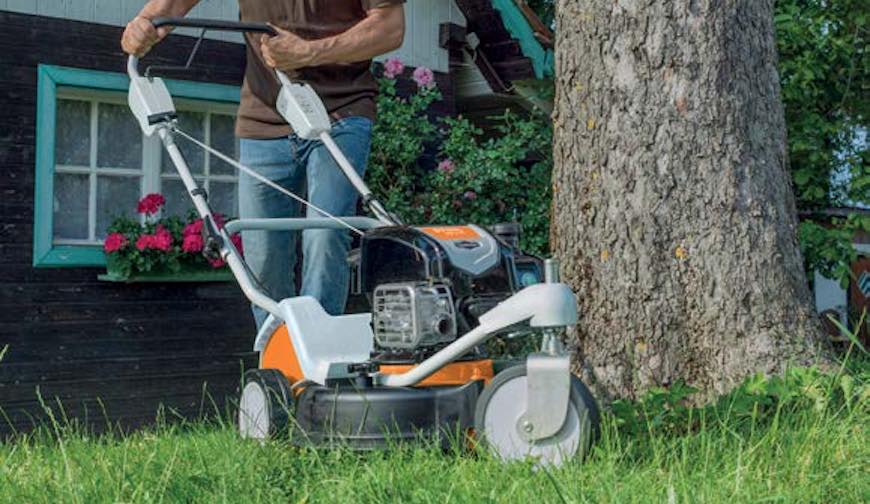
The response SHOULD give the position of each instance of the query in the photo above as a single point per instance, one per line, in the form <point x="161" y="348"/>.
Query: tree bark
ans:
<point x="673" y="207"/>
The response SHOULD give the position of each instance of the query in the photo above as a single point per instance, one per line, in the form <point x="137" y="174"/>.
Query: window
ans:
<point x="94" y="163"/>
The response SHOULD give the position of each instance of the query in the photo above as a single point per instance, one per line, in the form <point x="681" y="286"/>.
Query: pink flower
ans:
<point x="194" y="228"/>
<point x="192" y="243"/>
<point x="470" y="195"/>
<point x="162" y="239"/>
<point x="424" y="77"/>
<point x="145" y="241"/>
<point x="446" y="166"/>
<point x="114" y="242"/>
<point x="151" y="204"/>
<point x="457" y="204"/>
<point x="219" y="219"/>
<point x="393" y="67"/>
<point x="217" y="263"/>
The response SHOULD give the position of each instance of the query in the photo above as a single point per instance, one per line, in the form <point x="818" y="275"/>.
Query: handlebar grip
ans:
<point x="211" y="24"/>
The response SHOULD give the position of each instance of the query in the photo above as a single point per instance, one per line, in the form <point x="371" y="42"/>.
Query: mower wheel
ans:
<point x="265" y="405"/>
<point x="502" y="403"/>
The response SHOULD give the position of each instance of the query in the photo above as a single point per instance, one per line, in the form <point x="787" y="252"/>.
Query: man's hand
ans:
<point x="286" y="51"/>
<point x="140" y="36"/>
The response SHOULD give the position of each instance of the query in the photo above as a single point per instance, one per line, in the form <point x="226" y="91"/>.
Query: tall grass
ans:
<point x="809" y="448"/>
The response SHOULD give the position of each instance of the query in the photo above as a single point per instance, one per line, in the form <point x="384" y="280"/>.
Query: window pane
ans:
<point x="178" y="202"/>
<point x="116" y="196"/>
<point x="223" y="138"/>
<point x="192" y="124"/>
<point x="71" y="206"/>
<point x="72" y="145"/>
<point x="223" y="198"/>
<point x="119" y="141"/>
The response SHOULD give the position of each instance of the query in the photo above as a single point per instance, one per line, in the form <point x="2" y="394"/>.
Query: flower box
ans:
<point x="187" y="273"/>
<point x="165" y="249"/>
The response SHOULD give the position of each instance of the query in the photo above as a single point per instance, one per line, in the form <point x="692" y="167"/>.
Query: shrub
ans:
<point x="474" y="179"/>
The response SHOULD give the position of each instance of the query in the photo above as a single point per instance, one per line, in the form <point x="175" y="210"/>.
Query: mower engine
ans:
<point x="426" y="286"/>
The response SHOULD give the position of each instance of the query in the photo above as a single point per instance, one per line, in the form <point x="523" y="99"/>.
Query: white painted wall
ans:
<point x="422" y="19"/>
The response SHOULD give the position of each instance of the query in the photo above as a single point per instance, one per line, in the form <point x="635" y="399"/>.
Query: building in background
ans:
<point x="73" y="158"/>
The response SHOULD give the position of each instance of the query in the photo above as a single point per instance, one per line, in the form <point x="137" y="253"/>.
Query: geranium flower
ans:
<point x="194" y="228"/>
<point x="162" y="239"/>
<point x="144" y="242"/>
<point x="446" y="166"/>
<point x="151" y="204"/>
<point x="424" y="77"/>
<point x="393" y="67"/>
<point x="114" y="242"/>
<point x="192" y="243"/>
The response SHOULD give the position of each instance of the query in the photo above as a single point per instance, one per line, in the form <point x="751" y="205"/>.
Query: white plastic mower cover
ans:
<point x="324" y="344"/>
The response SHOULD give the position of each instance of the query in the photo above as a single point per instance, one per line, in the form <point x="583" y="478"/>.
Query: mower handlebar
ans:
<point x="211" y="24"/>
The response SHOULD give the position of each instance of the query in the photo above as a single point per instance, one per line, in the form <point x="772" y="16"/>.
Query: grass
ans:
<point x="789" y="451"/>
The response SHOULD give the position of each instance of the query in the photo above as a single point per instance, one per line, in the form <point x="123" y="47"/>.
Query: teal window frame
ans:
<point x="45" y="253"/>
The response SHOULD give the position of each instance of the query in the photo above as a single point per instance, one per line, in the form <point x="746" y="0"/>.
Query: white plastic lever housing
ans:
<point x="303" y="110"/>
<point x="149" y="98"/>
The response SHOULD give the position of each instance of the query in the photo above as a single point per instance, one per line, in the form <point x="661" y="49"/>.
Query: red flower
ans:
<point x="192" y="243"/>
<point x="162" y="239"/>
<point x="114" y="242"/>
<point x="145" y="242"/>
<point x="151" y="204"/>
<point x="219" y="220"/>
<point x="194" y="228"/>
<point x="217" y="263"/>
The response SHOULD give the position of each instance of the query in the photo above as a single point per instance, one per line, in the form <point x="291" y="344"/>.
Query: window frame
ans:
<point x="47" y="254"/>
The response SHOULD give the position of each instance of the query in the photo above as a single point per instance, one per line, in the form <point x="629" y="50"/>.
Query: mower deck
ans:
<point x="377" y="417"/>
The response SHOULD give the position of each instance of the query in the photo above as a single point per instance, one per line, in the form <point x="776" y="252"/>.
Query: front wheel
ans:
<point x="503" y="402"/>
<point x="265" y="404"/>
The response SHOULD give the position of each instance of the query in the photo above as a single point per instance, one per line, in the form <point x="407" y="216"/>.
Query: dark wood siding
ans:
<point x="104" y="351"/>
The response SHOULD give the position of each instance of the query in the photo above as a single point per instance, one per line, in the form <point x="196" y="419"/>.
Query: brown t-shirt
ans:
<point x="346" y="89"/>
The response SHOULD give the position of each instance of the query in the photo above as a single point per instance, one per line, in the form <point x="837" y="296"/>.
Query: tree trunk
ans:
<point x="673" y="207"/>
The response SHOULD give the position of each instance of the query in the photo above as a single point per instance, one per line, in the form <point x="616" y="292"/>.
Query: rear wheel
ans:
<point x="504" y="400"/>
<point x="265" y="405"/>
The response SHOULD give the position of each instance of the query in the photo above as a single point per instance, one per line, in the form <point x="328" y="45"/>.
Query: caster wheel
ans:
<point x="265" y="404"/>
<point x="502" y="403"/>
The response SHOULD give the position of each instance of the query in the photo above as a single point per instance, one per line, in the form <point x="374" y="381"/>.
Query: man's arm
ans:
<point x="140" y="35"/>
<point x="380" y="32"/>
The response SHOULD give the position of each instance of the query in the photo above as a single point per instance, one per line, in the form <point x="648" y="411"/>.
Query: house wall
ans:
<point x="67" y="335"/>
<point x="419" y="49"/>
<point x="105" y="351"/>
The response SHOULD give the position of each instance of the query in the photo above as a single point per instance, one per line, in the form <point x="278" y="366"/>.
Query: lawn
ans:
<point x="794" y="440"/>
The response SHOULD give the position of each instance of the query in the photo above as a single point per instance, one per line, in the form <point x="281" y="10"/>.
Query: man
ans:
<point x="328" y="44"/>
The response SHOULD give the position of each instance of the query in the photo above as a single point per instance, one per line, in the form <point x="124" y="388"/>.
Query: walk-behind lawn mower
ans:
<point x="412" y="364"/>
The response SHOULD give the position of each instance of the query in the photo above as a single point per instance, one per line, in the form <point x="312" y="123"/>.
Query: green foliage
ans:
<point x="829" y="250"/>
<point x="802" y="438"/>
<point x="824" y="68"/>
<point x="758" y="401"/>
<point x="477" y="180"/>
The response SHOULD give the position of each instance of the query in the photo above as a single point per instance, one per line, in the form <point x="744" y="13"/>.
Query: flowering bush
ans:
<point x="472" y="179"/>
<point x="166" y="243"/>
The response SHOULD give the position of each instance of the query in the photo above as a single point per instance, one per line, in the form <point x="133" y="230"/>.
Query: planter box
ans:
<point x="188" y="273"/>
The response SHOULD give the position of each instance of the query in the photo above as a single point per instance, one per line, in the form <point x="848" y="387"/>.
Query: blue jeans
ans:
<point x="295" y="163"/>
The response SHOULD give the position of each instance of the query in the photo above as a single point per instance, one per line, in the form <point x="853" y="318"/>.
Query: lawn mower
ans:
<point x="412" y="363"/>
